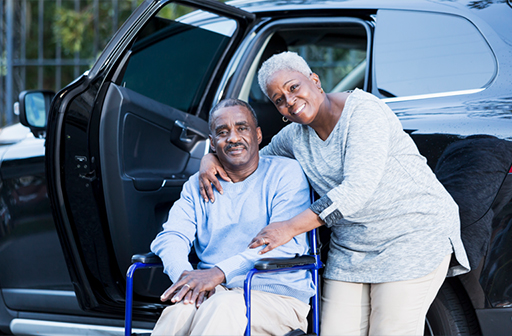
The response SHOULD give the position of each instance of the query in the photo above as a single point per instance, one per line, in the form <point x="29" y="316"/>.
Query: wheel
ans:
<point x="451" y="313"/>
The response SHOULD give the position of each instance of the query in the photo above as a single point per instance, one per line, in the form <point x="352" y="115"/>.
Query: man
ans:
<point x="209" y="300"/>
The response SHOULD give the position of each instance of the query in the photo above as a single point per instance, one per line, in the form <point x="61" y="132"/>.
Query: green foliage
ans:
<point x="174" y="11"/>
<point x="64" y="30"/>
<point x="71" y="27"/>
<point x="3" y="62"/>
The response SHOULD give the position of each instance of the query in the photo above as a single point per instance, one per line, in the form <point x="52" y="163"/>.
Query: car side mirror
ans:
<point x="33" y="110"/>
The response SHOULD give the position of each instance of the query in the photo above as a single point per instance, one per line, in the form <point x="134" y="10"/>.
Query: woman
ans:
<point x="394" y="226"/>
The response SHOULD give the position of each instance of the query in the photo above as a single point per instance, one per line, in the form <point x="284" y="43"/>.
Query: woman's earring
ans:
<point x="321" y="90"/>
<point x="284" y="119"/>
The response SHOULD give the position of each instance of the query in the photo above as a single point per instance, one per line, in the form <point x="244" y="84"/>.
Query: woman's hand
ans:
<point x="279" y="233"/>
<point x="273" y="235"/>
<point x="209" y="168"/>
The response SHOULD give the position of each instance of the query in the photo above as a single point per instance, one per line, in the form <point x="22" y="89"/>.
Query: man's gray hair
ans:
<point x="287" y="60"/>
<point x="228" y="103"/>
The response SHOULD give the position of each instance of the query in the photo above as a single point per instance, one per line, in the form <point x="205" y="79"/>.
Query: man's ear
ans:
<point x="259" y="135"/>
<point x="314" y="77"/>
<point x="212" y="145"/>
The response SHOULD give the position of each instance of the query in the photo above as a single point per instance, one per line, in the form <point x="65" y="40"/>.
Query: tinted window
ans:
<point x="421" y="53"/>
<point x="172" y="61"/>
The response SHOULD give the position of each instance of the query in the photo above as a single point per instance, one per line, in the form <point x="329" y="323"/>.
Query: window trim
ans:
<point x="432" y="95"/>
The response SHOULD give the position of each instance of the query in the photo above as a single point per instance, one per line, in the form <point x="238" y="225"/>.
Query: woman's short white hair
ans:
<point x="287" y="60"/>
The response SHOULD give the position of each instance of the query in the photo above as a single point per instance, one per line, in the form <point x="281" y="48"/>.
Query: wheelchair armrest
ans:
<point x="276" y="263"/>
<point x="146" y="258"/>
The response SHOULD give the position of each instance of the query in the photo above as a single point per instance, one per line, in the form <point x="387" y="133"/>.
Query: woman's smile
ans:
<point x="299" y="110"/>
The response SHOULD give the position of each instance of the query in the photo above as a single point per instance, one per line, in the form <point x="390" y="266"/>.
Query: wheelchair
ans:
<point x="311" y="262"/>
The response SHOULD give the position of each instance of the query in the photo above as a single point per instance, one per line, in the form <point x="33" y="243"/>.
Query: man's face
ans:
<point x="235" y="138"/>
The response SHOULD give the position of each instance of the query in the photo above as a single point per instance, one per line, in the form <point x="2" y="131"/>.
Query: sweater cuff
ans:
<point x="321" y="207"/>
<point x="232" y="267"/>
<point x="174" y="272"/>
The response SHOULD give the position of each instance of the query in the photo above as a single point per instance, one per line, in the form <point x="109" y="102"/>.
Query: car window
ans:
<point x="333" y="63"/>
<point x="424" y="53"/>
<point x="171" y="61"/>
<point x="337" y="54"/>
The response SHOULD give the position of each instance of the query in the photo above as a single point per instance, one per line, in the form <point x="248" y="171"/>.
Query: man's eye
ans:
<point x="243" y="128"/>
<point x="221" y="133"/>
<point x="293" y="87"/>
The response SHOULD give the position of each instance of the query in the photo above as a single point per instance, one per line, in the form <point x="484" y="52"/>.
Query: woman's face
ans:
<point x="296" y="96"/>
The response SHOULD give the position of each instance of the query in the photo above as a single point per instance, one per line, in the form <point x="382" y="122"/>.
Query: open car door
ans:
<point x="123" y="139"/>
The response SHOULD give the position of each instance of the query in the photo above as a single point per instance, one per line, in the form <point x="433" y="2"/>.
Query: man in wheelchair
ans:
<point x="209" y="300"/>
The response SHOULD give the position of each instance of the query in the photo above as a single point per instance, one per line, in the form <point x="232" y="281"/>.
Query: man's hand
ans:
<point x="194" y="286"/>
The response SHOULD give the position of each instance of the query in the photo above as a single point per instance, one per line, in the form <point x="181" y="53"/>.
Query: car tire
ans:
<point x="451" y="313"/>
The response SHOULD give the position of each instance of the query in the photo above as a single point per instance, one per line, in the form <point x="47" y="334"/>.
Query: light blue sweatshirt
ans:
<point x="221" y="231"/>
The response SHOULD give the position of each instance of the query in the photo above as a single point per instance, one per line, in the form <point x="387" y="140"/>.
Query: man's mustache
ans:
<point x="231" y="145"/>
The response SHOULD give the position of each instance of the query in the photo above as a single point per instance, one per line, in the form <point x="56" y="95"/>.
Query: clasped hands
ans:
<point x="194" y="286"/>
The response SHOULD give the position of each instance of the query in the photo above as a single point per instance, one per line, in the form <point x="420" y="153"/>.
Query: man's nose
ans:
<point x="233" y="136"/>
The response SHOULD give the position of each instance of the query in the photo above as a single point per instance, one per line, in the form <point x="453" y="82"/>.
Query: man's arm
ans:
<point x="173" y="245"/>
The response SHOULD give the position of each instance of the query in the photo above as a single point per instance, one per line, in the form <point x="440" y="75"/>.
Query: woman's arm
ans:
<point x="210" y="165"/>
<point x="279" y="233"/>
<point x="281" y="143"/>
<point x="366" y="154"/>
<point x="209" y="168"/>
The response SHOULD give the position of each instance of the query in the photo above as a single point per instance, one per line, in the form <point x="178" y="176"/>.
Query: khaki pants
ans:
<point x="224" y="314"/>
<point x="383" y="309"/>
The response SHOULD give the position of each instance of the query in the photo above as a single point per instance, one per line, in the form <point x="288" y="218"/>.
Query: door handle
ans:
<point x="185" y="129"/>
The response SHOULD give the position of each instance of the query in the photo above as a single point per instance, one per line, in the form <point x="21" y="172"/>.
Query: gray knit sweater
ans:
<point x="391" y="219"/>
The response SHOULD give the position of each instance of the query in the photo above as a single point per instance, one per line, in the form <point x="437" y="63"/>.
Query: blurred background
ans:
<point x="46" y="44"/>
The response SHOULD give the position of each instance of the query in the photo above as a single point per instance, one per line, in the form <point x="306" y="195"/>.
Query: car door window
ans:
<point x="172" y="61"/>
<point x="332" y="63"/>
<point x="337" y="54"/>
<point x="424" y="53"/>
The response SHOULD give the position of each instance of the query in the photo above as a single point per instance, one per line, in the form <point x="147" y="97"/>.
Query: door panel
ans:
<point x="124" y="138"/>
<point x="143" y="170"/>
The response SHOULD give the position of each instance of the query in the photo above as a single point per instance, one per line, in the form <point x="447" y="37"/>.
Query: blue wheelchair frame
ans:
<point x="139" y="261"/>
<point x="310" y="262"/>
